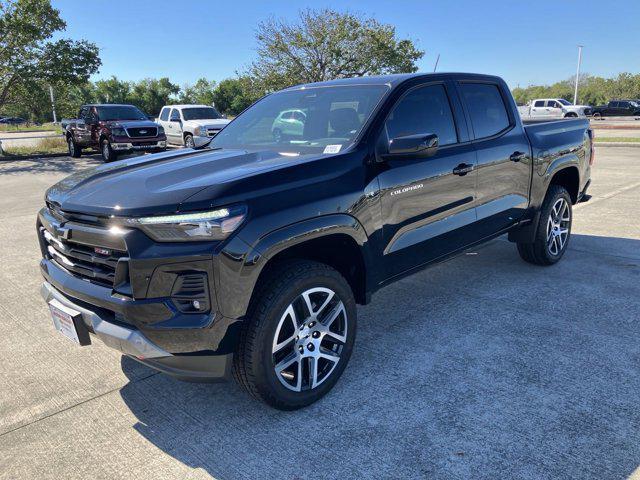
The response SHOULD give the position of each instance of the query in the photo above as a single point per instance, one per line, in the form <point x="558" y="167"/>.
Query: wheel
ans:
<point x="554" y="229"/>
<point x="188" y="141"/>
<point x="299" y="337"/>
<point x="74" y="150"/>
<point x="277" y="135"/>
<point x="108" y="155"/>
<point x="597" y="116"/>
<point x="571" y="115"/>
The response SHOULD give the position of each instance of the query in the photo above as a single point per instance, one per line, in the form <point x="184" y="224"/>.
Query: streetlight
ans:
<point x="575" y="93"/>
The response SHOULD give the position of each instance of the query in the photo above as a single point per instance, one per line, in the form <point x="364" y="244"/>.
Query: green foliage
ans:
<point x="233" y="95"/>
<point x="202" y="92"/>
<point x="591" y="90"/>
<point x="151" y="94"/>
<point x="29" y="62"/>
<point x="326" y="44"/>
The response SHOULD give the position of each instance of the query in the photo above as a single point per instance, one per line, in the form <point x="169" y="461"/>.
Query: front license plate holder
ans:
<point x="69" y="323"/>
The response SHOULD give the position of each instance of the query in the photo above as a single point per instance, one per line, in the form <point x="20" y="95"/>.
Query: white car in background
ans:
<point x="183" y="123"/>
<point x="553" y="108"/>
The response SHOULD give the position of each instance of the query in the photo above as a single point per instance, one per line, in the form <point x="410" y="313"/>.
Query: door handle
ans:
<point x="462" y="169"/>
<point x="517" y="156"/>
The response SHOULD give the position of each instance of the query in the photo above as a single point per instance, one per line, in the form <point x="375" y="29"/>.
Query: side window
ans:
<point x="175" y="114"/>
<point x="624" y="104"/>
<point x="164" y="114"/>
<point x="83" y="112"/>
<point x="613" y="104"/>
<point x="539" y="103"/>
<point x="486" y="108"/>
<point x="553" y="104"/>
<point x="423" y="110"/>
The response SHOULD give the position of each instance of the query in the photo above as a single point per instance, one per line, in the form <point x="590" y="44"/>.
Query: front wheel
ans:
<point x="554" y="229"/>
<point x="188" y="141"/>
<point x="597" y="116"/>
<point x="299" y="336"/>
<point x="74" y="150"/>
<point x="108" y="155"/>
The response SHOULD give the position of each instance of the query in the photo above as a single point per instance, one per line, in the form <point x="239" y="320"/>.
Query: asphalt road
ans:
<point x="481" y="367"/>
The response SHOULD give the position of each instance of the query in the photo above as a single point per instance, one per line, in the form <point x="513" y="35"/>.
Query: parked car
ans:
<point x="553" y="108"/>
<point x="184" y="122"/>
<point x="247" y="258"/>
<point x="289" y="123"/>
<point x="12" y="121"/>
<point x="113" y="130"/>
<point x="618" y="108"/>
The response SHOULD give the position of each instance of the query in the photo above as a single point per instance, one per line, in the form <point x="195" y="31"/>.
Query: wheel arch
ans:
<point x="569" y="178"/>
<point x="335" y="240"/>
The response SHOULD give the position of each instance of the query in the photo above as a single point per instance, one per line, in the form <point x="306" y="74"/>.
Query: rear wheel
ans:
<point x="597" y="116"/>
<point x="108" y="155"/>
<point x="553" y="231"/>
<point x="299" y="337"/>
<point x="571" y="115"/>
<point x="74" y="150"/>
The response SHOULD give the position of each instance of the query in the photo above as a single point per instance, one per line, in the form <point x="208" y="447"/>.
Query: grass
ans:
<point x="617" y="139"/>
<point x="43" y="147"/>
<point x="24" y="128"/>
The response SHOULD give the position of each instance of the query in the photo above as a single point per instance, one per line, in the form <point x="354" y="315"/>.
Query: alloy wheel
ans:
<point x="558" y="225"/>
<point x="309" y="339"/>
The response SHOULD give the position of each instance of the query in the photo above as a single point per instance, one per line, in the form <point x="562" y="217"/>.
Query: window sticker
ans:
<point x="332" y="148"/>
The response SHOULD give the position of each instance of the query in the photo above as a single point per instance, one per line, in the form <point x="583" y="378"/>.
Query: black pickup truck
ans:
<point x="617" y="108"/>
<point x="247" y="257"/>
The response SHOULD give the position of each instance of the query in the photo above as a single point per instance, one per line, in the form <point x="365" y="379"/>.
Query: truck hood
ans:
<point x="213" y="123"/>
<point x="160" y="183"/>
<point x="130" y="123"/>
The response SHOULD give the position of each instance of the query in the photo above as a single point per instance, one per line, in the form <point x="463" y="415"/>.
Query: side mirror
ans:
<point x="421" y="145"/>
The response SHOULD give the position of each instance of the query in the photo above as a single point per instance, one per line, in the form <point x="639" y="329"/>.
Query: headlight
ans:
<point x="200" y="131"/>
<point x="118" y="132"/>
<point x="160" y="130"/>
<point x="192" y="227"/>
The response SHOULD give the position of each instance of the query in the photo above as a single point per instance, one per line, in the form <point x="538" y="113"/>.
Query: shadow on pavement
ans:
<point x="48" y="165"/>
<point x="482" y="367"/>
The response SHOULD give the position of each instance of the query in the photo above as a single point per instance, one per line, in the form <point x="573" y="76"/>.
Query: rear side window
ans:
<point x="423" y="110"/>
<point x="539" y="103"/>
<point x="486" y="108"/>
<point x="164" y="114"/>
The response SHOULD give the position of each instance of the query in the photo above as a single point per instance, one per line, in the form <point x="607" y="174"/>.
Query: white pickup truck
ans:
<point x="182" y="123"/>
<point x="553" y="108"/>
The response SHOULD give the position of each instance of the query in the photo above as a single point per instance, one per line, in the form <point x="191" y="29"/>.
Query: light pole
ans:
<point x="575" y="93"/>
<point x="53" y="104"/>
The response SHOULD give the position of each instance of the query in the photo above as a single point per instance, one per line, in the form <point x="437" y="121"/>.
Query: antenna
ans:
<point x="436" y="65"/>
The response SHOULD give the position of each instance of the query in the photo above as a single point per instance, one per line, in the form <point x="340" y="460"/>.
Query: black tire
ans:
<point x="74" y="150"/>
<point x="188" y="141"/>
<point x="277" y="135"/>
<point x="108" y="154"/>
<point x="547" y="250"/>
<point x="255" y="360"/>
<point x="597" y="116"/>
<point x="571" y="115"/>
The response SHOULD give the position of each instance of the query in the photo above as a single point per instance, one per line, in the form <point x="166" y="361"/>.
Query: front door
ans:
<point x="504" y="157"/>
<point x="554" y="108"/>
<point x="427" y="203"/>
<point x="174" y="127"/>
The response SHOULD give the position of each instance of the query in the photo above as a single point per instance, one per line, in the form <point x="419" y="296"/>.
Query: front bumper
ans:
<point x="133" y="342"/>
<point x="138" y="146"/>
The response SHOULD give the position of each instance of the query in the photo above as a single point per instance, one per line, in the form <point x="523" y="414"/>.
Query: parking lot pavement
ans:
<point x="481" y="367"/>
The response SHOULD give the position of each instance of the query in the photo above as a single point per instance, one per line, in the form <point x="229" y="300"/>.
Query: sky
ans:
<point x="526" y="42"/>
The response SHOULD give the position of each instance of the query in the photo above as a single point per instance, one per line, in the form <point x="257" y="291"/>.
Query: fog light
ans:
<point x="196" y="304"/>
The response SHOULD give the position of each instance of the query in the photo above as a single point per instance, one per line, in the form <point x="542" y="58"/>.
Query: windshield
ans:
<point x="120" y="112"/>
<point x="564" y="102"/>
<point x="308" y="120"/>
<point x="200" y="113"/>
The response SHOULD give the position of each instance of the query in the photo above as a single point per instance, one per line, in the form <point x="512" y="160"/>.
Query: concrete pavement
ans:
<point x="481" y="367"/>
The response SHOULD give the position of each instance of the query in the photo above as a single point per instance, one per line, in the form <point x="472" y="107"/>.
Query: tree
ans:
<point x="151" y="94"/>
<point x="28" y="60"/>
<point x="233" y="95"/>
<point x="112" y="90"/>
<point x="324" y="45"/>
<point x="201" y="92"/>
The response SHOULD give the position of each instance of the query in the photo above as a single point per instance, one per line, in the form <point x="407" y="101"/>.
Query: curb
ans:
<point x="11" y="158"/>
<point x="617" y="144"/>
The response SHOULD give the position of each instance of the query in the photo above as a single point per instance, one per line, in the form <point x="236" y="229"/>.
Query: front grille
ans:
<point x="587" y="111"/>
<point x="212" y="132"/>
<point x="136" y="132"/>
<point x="82" y="253"/>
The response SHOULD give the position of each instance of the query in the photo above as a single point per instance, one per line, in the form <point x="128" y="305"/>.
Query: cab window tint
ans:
<point x="423" y="110"/>
<point x="164" y="115"/>
<point x="539" y="103"/>
<point x="175" y="114"/>
<point x="486" y="108"/>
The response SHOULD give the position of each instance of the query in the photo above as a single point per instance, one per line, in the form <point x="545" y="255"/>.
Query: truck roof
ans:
<point x="188" y="105"/>
<point x="392" y="80"/>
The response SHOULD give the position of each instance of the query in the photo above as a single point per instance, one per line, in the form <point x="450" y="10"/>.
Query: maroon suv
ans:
<point x="113" y="129"/>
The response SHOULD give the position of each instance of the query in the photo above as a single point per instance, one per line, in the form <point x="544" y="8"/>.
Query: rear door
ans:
<point x="538" y="109"/>
<point x="427" y="206"/>
<point x="554" y="109"/>
<point x="504" y="157"/>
